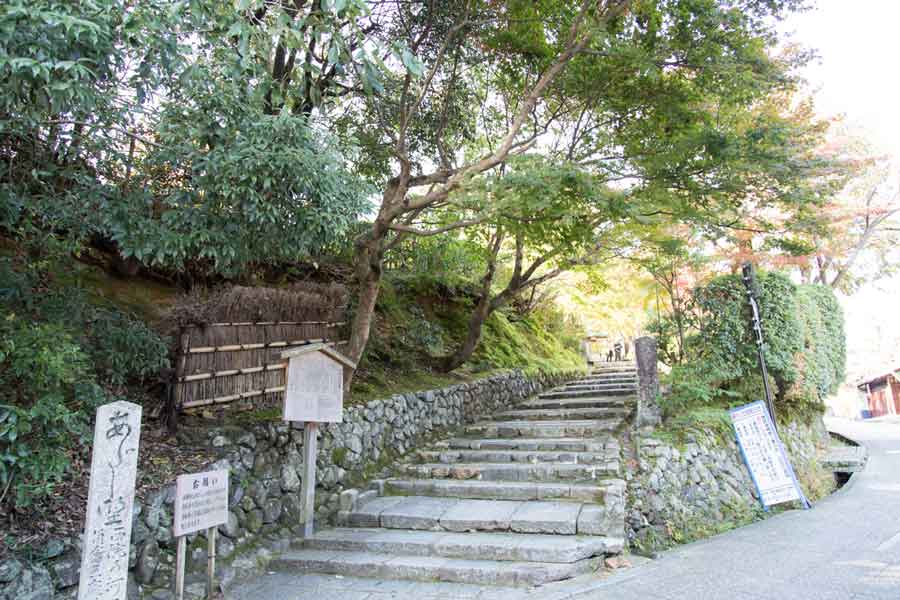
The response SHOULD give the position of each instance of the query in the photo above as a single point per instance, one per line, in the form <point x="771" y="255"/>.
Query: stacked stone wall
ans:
<point x="695" y="484"/>
<point x="265" y="464"/>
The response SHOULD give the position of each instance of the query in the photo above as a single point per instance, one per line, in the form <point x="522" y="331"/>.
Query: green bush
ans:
<point x="45" y="404"/>
<point x="805" y="348"/>
<point x="60" y="358"/>
<point x="123" y="349"/>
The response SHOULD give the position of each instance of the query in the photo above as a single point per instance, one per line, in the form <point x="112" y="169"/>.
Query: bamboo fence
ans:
<point x="223" y="362"/>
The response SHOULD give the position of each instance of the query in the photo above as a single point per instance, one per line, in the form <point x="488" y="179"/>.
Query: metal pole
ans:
<point x="747" y="271"/>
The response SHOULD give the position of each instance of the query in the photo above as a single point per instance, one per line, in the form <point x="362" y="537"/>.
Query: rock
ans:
<point x="148" y="561"/>
<point x="348" y="499"/>
<point x="617" y="562"/>
<point x="231" y="527"/>
<point x="54" y="548"/>
<point x="9" y="569"/>
<point x="139" y="531"/>
<point x="220" y="441"/>
<point x="65" y="572"/>
<point x="290" y="482"/>
<point x="254" y="520"/>
<point x="32" y="583"/>
<point x="224" y="547"/>
<point x="271" y="510"/>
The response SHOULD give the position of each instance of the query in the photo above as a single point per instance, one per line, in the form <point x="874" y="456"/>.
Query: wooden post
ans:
<point x="210" y="562"/>
<point x="179" y="567"/>
<point x="308" y="492"/>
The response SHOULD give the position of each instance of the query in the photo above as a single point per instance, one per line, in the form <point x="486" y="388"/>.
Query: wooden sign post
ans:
<point x="314" y="393"/>
<point x="107" y="528"/>
<point x="201" y="502"/>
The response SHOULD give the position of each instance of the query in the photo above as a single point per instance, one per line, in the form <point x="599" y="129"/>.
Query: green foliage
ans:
<point x="441" y="260"/>
<point x="805" y="349"/>
<point x="47" y="397"/>
<point x="123" y="349"/>
<point x="218" y="174"/>
<point x="543" y="341"/>
<point x="59" y="359"/>
<point x="823" y="361"/>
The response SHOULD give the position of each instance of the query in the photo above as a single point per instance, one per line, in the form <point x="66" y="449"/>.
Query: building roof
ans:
<point x="867" y="380"/>
<point x="323" y="347"/>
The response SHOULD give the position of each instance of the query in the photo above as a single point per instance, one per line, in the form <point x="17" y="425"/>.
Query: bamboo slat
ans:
<point x="237" y="347"/>
<point x="233" y="397"/>
<point x="214" y="374"/>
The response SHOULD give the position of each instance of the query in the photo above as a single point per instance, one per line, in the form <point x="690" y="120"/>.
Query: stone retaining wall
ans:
<point x="265" y="464"/>
<point x="699" y="485"/>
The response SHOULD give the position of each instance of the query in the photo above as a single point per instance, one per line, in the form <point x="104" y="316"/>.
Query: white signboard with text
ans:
<point x="201" y="501"/>
<point x="764" y="454"/>
<point x="315" y="389"/>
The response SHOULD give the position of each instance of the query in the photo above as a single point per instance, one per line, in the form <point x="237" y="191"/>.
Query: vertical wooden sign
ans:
<point x="314" y="393"/>
<point x="107" y="529"/>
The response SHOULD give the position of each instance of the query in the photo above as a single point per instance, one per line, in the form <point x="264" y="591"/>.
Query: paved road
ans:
<point x="846" y="547"/>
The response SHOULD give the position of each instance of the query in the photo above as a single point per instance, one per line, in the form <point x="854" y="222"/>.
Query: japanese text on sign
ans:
<point x="107" y="530"/>
<point x="201" y="501"/>
<point x="315" y="389"/>
<point x="764" y="454"/>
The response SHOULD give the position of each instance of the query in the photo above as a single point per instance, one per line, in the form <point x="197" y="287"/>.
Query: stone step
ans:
<point x="587" y="385"/>
<point x="564" y="444"/>
<point x="516" y="456"/>
<point x="506" y="490"/>
<point x="550" y="429"/>
<point x="597" y="402"/>
<point x="617" y="390"/>
<point x="431" y="513"/>
<point x="506" y="471"/>
<point x="472" y="545"/>
<point x="559" y="414"/>
<point x="429" y="568"/>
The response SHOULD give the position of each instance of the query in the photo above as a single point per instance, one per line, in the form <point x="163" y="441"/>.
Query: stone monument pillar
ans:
<point x="648" y="411"/>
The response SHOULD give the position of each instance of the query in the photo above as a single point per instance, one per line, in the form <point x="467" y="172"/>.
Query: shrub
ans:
<point x="805" y="348"/>
<point x="47" y="398"/>
<point x="59" y="359"/>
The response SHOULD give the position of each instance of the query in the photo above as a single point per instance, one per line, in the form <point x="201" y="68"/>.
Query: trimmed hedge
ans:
<point x="805" y="347"/>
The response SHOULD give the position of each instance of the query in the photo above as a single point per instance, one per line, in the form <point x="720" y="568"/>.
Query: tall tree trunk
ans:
<point x="483" y="309"/>
<point x="473" y="336"/>
<point x="369" y="267"/>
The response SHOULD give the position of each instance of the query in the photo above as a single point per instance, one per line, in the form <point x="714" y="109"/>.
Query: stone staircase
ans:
<point x="525" y="497"/>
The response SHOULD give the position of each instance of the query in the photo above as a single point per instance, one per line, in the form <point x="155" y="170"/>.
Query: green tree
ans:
<point x="549" y="218"/>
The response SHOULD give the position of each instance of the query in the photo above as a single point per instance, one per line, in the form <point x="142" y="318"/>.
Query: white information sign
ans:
<point x="765" y="456"/>
<point x="201" y="501"/>
<point x="315" y="389"/>
<point x="107" y="528"/>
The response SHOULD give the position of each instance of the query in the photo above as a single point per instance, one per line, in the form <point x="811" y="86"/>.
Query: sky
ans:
<point x="856" y="75"/>
<point x="857" y="72"/>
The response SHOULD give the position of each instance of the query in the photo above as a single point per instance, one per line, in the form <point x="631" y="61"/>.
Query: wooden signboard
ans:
<point x="107" y="529"/>
<point x="201" y="502"/>
<point x="314" y="393"/>
<point x="315" y="384"/>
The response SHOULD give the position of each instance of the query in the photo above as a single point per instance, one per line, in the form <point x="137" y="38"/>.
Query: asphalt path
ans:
<point x="846" y="547"/>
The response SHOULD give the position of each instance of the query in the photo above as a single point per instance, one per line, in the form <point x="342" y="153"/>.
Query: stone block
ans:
<point x="546" y="517"/>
